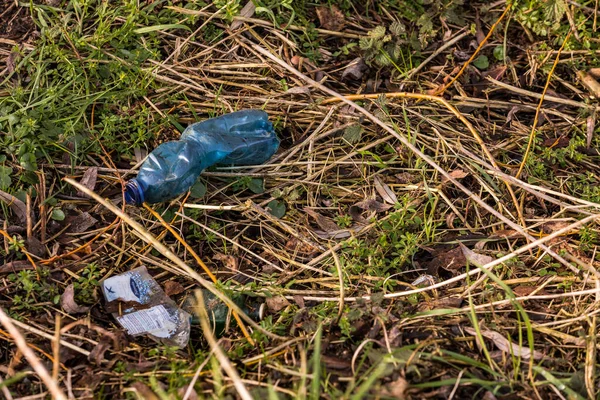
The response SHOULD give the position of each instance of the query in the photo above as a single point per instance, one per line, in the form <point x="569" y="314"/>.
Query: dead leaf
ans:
<point x="67" y="302"/>
<point x="172" y="288"/>
<point x="590" y="83"/>
<point x="183" y="390"/>
<point x="527" y="290"/>
<point x="88" y="180"/>
<point x="591" y="126"/>
<point x="356" y="214"/>
<point x="299" y="246"/>
<point x="247" y="12"/>
<point x="476" y="259"/>
<point x="325" y="223"/>
<point x="337" y="363"/>
<point x="396" y="389"/>
<point x="275" y="304"/>
<point x="298" y="90"/>
<point x="450" y="220"/>
<point x="229" y="261"/>
<point x="556" y="142"/>
<point x="456" y="174"/>
<point x="496" y="73"/>
<point x="299" y="300"/>
<point x="553" y="226"/>
<point x="331" y="18"/>
<point x="448" y="302"/>
<point x="140" y="154"/>
<point x="505" y="345"/>
<point x="406" y="177"/>
<point x="35" y="247"/>
<point x="81" y="223"/>
<point x="373" y="205"/>
<point x="355" y="70"/>
<point x="450" y="260"/>
<point x="385" y="192"/>
<point x="144" y="392"/>
<point x="97" y="353"/>
<point x="505" y="233"/>
<point x="16" y="205"/>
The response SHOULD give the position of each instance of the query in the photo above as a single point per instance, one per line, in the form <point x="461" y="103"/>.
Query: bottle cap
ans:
<point x="134" y="194"/>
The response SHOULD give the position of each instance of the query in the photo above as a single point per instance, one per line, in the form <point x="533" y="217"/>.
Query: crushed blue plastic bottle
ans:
<point x="241" y="138"/>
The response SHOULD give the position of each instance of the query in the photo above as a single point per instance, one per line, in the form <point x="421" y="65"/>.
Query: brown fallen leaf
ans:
<point x="396" y="389"/>
<point x="173" y="288"/>
<point x="229" y="261"/>
<point x="336" y="363"/>
<point x="456" y="174"/>
<point x="373" y="205"/>
<point x="67" y="302"/>
<point x="144" y="392"/>
<point x="16" y="205"/>
<point x="527" y="290"/>
<point x="406" y="177"/>
<point x="331" y="18"/>
<point x="81" y="223"/>
<point x="35" y="247"/>
<point x="474" y="258"/>
<point x="193" y="395"/>
<point x="505" y="345"/>
<point x="88" y="180"/>
<point x="385" y="191"/>
<point x="325" y="223"/>
<point x="276" y="303"/>
<point x="590" y="83"/>
<point x="355" y="70"/>
<point x="247" y="12"/>
<point x="108" y="340"/>
<point x="450" y="260"/>
<point x="298" y="90"/>
<point x="591" y="126"/>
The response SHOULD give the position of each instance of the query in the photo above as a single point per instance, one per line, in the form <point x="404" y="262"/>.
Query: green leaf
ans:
<point x="499" y="53"/>
<point x="58" y="214"/>
<point x="198" y="190"/>
<point x="28" y="161"/>
<point x="161" y="28"/>
<point x="353" y="134"/>
<point x="5" y="173"/>
<point x="276" y="208"/>
<point x="481" y="62"/>
<point x="256" y="185"/>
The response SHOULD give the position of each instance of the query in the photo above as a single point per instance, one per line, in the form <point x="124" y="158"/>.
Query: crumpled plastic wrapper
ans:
<point x="141" y="307"/>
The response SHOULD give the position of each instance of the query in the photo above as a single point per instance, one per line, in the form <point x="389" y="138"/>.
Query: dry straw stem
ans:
<point x="419" y="153"/>
<point x="537" y="110"/>
<point x="223" y="360"/>
<point x="200" y="262"/>
<point x="483" y="42"/>
<point x="33" y="360"/>
<point x="453" y="110"/>
<point x="184" y="269"/>
<point x="429" y="161"/>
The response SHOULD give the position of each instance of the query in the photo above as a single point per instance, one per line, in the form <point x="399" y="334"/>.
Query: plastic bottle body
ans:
<point x="240" y="138"/>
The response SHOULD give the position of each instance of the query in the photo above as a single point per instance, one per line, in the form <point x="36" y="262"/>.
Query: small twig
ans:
<point x="34" y="361"/>
<point x="436" y="53"/>
<point x="483" y="42"/>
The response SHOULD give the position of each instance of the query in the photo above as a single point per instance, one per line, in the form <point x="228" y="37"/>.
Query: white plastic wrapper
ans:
<point x="141" y="307"/>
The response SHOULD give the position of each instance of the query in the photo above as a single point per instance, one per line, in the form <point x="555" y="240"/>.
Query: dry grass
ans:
<point x="369" y="289"/>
